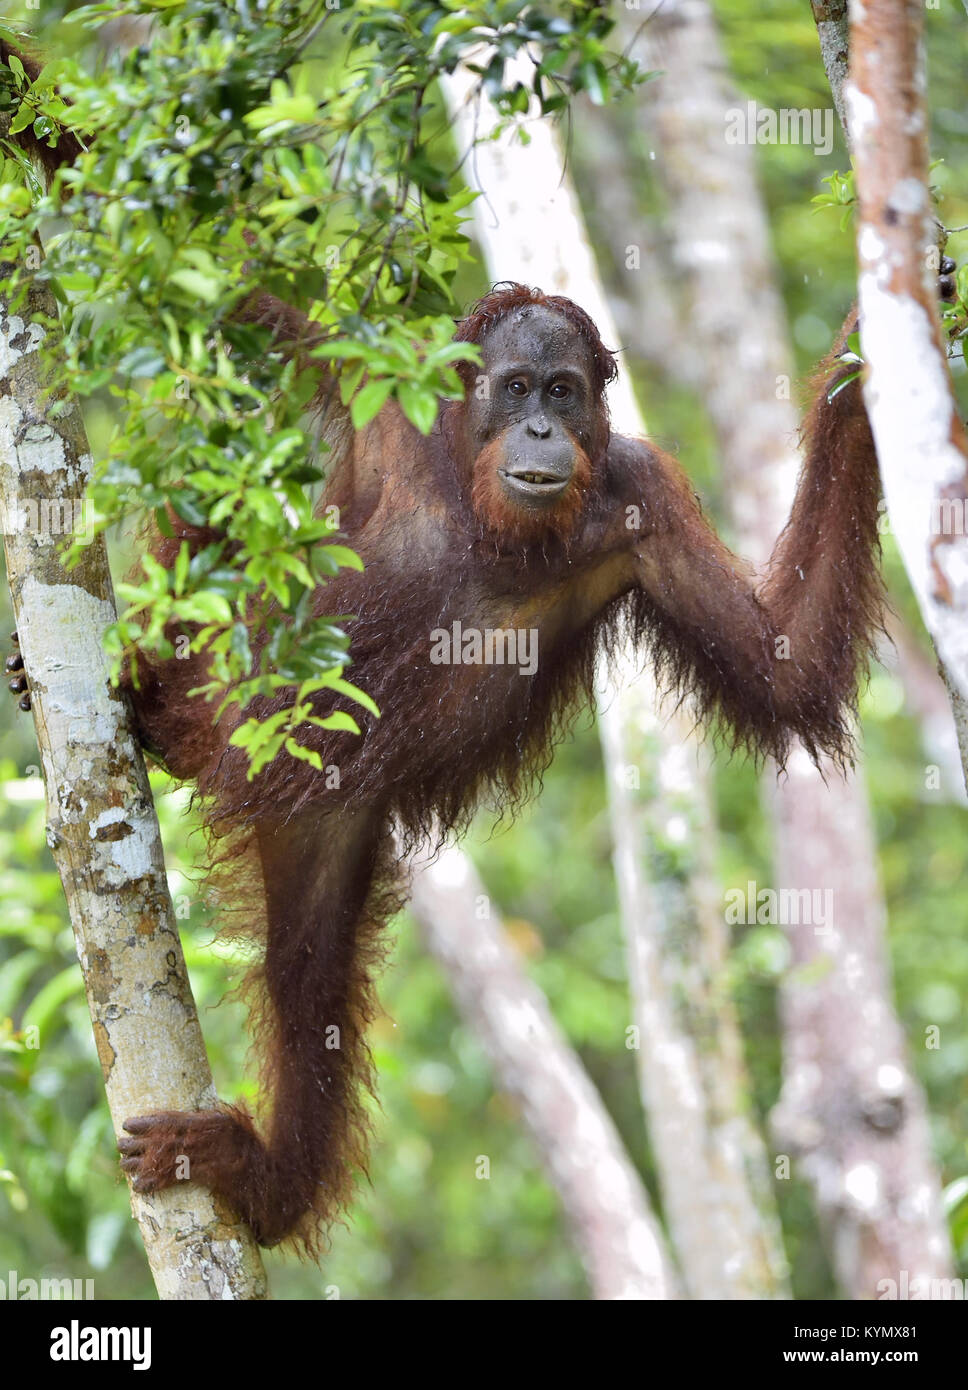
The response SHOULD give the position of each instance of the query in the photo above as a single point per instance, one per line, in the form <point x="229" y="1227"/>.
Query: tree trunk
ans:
<point x="101" y="822"/>
<point x="920" y="438"/>
<point x="602" y="1196"/>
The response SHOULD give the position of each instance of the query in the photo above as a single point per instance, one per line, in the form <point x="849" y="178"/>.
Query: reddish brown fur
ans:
<point x="506" y="297"/>
<point x="513" y="524"/>
<point x="442" y="543"/>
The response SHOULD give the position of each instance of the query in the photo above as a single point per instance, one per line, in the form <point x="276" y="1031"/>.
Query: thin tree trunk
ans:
<point x="713" y="1167"/>
<point x="101" y="822"/>
<point x="604" y="1201"/>
<point x="834" y="32"/>
<point x="921" y="441"/>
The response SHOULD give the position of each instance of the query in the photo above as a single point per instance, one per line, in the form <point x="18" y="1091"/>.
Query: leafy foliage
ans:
<point x="426" y="1227"/>
<point x="841" y="194"/>
<point x="220" y="158"/>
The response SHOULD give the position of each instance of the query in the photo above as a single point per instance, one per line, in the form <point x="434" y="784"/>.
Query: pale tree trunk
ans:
<point x="604" y="1202"/>
<point x="713" y="1165"/>
<point x="711" y="1162"/>
<point x="834" y="31"/>
<point x="921" y="442"/>
<point x="850" y="1109"/>
<point x="101" y="822"/>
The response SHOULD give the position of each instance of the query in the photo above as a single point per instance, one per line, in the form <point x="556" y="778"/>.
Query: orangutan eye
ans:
<point x="518" y="387"/>
<point x="560" y="391"/>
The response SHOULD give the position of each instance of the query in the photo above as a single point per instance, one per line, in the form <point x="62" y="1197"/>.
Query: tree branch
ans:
<point x="921" y="443"/>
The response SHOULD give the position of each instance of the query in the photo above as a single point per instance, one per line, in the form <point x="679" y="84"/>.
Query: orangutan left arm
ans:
<point x="784" y="659"/>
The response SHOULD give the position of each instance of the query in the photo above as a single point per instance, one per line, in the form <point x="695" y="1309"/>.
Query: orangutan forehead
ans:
<point x="537" y="335"/>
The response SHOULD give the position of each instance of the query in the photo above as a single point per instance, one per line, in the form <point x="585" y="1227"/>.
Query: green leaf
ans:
<point x="76" y="281"/>
<point x="841" y="384"/>
<point x="368" y="403"/>
<point x="419" y="406"/>
<point x="343" y="556"/>
<point x="334" y="681"/>
<point x="141" y="362"/>
<point x="207" y="288"/>
<point x="204" y="607"/>
<point x="339" y="720"/>
<point x="23" y="118"/>
<point x="308" y="755"/>
<point x="595" y="81"/>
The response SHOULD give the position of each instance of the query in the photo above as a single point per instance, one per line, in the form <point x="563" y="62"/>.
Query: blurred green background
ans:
<point x="425" y="1227"/>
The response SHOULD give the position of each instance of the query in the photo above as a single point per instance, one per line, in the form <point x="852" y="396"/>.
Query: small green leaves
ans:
<point x="284" y="110"/>
<point x="414" y="363"/>
<point x="845" y="381"/>
<point x="852" y="352"/>
<point x="231" y="154"/>
<point x="264" y="739"/>
<point x="841" y="194"/>
<point x="368" y="402"/>
<point x="419" y="404"/>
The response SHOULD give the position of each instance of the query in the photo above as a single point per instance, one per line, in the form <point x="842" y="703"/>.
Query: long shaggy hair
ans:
<point x="454" y="736"/>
